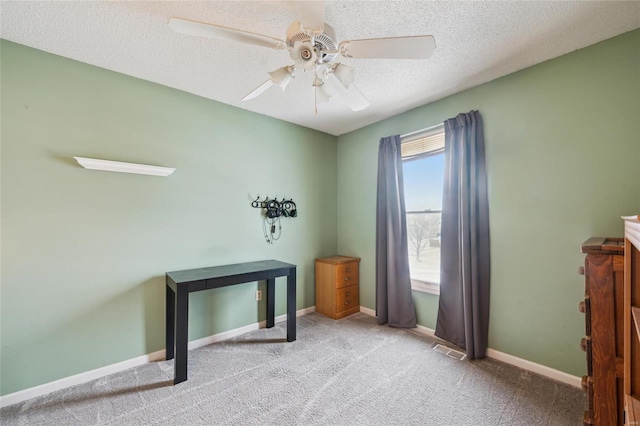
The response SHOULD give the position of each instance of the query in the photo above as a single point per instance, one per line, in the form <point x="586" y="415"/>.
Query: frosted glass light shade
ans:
<point x="281" y="77"/>
<point x="117" y="166"/>
<point x="344" y="74"/>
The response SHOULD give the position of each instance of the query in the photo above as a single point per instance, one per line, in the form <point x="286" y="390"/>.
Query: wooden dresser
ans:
<point x="632" y="320"/>
<point x="337" y="281"/>
<point x="603" y="306"/>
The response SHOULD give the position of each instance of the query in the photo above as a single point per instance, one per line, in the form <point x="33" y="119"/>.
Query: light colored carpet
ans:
<point x="346" y="372"/>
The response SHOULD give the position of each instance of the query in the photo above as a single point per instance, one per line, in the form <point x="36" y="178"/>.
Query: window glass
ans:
<point x="423" y="182"/>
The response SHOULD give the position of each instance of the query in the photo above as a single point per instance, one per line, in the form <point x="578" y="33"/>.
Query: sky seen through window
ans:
<point x="423" y="180"/>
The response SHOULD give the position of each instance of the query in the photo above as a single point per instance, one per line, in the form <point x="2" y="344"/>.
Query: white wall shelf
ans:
<point x="117" y="166"/>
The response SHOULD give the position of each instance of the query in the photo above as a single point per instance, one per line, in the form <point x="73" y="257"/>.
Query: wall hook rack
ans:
<point x="273" y="210"/>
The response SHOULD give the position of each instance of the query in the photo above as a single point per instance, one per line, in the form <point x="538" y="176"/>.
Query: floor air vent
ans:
<point x="449" y="352"/>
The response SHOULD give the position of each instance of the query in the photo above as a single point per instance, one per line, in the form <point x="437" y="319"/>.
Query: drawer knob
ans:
<point x="581" y="270"/>
<point x="582" y="307"/>
<point x="347" y="278"/>
<point x="347" y="293"/>
<point x="347" y="269"/>
<point x="347" y="302"/>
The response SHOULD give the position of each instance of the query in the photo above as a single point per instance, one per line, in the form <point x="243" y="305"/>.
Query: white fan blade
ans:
<point x="199" y="29"/>
<point x="310" y="14"/>
<point x="259" y="90"/>
<point x="352" y="96"/>
<point x="417" y="47"/>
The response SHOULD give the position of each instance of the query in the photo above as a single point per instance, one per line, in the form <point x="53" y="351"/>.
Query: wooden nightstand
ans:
<point x="337" y="281"/>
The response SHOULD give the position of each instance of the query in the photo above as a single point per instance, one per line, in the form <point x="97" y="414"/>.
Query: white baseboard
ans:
<point x="426" y="331"/>
<point x="87" y="376"/>
<point x="543" y="370"/>
<point x="23" y="395"/>
<point x="367" y="311"/>
<point x="225" y="335"/>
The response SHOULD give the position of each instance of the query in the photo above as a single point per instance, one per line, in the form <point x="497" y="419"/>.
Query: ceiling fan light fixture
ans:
<point x="282" y="76"/>
<point x="313" y="46"/>
<point x="345" y="74"/>
<point x="304" y="55"/>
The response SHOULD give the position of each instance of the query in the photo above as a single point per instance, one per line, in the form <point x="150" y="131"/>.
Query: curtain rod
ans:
<point x="422" y="130"/>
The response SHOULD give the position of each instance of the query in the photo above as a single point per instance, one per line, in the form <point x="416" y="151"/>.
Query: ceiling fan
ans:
<point x="313" y="47"/>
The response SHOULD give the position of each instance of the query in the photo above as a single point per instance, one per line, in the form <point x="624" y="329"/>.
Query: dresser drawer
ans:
<point x="347" y="298"/>
<point x="346" y="274"/>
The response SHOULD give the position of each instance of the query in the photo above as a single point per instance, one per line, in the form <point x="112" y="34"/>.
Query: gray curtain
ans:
<point x="394" y="301"/>
<point x="463" y="312"/>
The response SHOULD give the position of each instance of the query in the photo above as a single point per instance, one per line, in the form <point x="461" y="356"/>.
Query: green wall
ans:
<point x="563" y="148"/>
<point x="84" y="252"/>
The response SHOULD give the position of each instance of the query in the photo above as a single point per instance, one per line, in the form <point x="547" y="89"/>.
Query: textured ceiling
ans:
<point x="476" y="42"/>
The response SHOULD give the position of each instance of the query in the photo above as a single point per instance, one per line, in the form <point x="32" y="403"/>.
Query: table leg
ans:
<point x="182" y="336"/>
<point x="170" y="322"/>
<point x="271" y="302"/>
<point x="291" y="305"/>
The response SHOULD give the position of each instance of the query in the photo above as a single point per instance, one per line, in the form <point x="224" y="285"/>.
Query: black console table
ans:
<point x="181" y="283"/>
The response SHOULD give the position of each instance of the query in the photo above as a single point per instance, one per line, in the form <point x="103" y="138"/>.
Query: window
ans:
<point x="423" y="170"/>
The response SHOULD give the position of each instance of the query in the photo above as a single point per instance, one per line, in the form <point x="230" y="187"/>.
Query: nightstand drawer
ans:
<point x="346" y="274"/>
<point x="347" y="298"/>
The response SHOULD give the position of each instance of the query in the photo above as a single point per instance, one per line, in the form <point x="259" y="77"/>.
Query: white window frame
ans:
<point x="425" y="287"/>
<point x="419" y="285"/>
